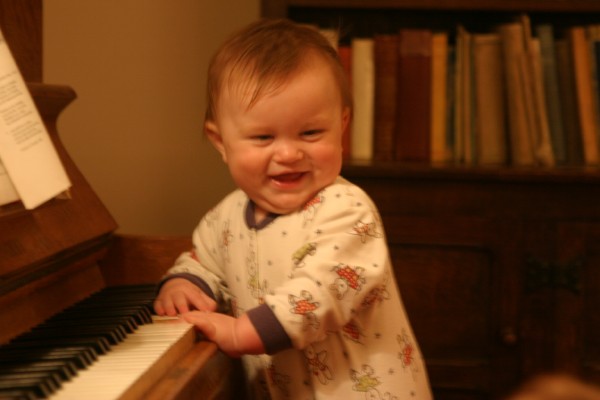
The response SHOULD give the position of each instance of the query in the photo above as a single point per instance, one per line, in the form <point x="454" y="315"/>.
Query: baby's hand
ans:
<point x="218" y="328"/>
<point x="234" y="336"/>
<point x="178" y="296"/>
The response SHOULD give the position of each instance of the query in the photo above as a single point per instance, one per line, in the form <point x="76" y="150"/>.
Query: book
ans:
<point x="545" y="34"/>
<point x="363" y="90"/>
<point x="584" y="94"/>
<point x="570" y="114"/>
<point x="490" y="99"/>
<point x="386" y="66"/>
<point x="345" y="55"/>
<point x="451" y="100"/>
<point x="30" y="168"/>
<point x="519" y="123"/>
<point x="439" y="146"/>
<point x="535" y="96"/>
<point x="467" y="141"/>
<point x="458" y="119"/>
<point x="544" y="149"/>
<point x="593" y="36"/>
<point x="463" y="96"/>
<point x="413" y="102"/>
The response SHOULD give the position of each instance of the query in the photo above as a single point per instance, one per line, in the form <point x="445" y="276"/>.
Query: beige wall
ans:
<point x="135" y="129"/>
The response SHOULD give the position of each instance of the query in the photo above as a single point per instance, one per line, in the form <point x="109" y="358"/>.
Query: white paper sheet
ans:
<point x="32" y="164"/>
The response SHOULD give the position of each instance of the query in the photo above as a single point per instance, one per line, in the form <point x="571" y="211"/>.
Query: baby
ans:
<point x="297" y="252"/>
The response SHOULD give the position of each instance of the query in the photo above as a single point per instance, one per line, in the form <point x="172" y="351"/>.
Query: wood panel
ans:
<point x="133" y="259"/>
<point x="21" y="24"/>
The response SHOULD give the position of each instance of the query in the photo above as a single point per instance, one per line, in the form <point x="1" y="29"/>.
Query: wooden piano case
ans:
<point x="61" y="252"/>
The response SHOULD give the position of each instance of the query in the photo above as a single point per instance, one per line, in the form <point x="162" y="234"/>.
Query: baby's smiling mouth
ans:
<point x="288" y="178"/>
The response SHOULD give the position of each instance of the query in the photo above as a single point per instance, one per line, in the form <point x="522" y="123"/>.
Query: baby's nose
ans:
<point x="288" y="151"/>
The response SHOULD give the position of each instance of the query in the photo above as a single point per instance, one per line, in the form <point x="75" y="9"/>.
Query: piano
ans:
<point x="66" y="277"/>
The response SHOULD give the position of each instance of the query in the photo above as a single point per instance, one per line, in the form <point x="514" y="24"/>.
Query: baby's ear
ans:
<point x="346" y="117"/>
<point x="212" y="132"/>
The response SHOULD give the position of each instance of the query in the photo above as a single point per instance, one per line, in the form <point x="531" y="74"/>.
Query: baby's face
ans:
<point x="287" y="147"/>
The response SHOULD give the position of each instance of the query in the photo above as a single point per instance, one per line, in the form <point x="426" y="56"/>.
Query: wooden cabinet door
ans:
<point x="577" y="338"/>
<point x="500" y="279"/>
<point x="453" y="279"/>
<point x="559" y="327"/>
<point x="534" y="264"/>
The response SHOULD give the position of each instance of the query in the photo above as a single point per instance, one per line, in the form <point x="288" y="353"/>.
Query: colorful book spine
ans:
<point x="363" y="90"/>
<point x="413" y="119"/>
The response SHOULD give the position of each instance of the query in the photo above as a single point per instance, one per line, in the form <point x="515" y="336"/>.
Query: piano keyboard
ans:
<point x="108" y="346"/>
<point x="131" y="368"/>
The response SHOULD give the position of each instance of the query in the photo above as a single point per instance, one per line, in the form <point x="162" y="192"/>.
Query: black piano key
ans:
<point x="138" y="315"/>
<point x="95" y="302"/>
<point x="86" y="354"/>
<point x="59" y="369"/>
<point x="113" y="333"/>
<point x="39" y="388"/>
<point x="70" y="367"/>
<point x="127" y="322"/>
<point x="50" y="379"/>
<point x="116" y="302"/>
<point x="15" y="394"/>
<point x="80" y="356"/>
<point x="98" y="343"/>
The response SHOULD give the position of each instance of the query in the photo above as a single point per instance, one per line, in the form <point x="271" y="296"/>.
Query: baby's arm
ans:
<point x="179" y="295"/>
<point x="234" y="336"/>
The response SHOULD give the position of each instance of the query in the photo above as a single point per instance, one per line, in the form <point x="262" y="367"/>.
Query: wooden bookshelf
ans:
<point x="511" y="5"/>
<point x="435" y="12"/>
<point x="499" y="266"/>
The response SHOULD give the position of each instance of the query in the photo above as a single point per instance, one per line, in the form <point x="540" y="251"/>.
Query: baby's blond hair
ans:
<point x="264" y="55"/>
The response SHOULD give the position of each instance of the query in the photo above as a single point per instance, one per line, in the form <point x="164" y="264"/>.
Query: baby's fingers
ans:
<point x="202" y="302"/>
<point x="171" y="305"/>
<point x="201" y="321"/>
<point x="158" y="307"/>
<point x="179" y="304"/>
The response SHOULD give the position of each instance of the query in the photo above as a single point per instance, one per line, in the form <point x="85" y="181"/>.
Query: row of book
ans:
<point x="515" y="95"/>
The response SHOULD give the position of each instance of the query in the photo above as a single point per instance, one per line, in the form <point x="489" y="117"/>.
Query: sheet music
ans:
<point x="32" y="168"/>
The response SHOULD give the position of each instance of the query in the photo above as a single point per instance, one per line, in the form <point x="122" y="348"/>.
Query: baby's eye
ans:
<point x="312" y="132"/>
<point x="262" y="138"/>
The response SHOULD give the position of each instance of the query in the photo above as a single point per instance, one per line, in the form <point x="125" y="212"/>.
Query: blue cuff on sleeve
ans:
<point x="269" y="329"/>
